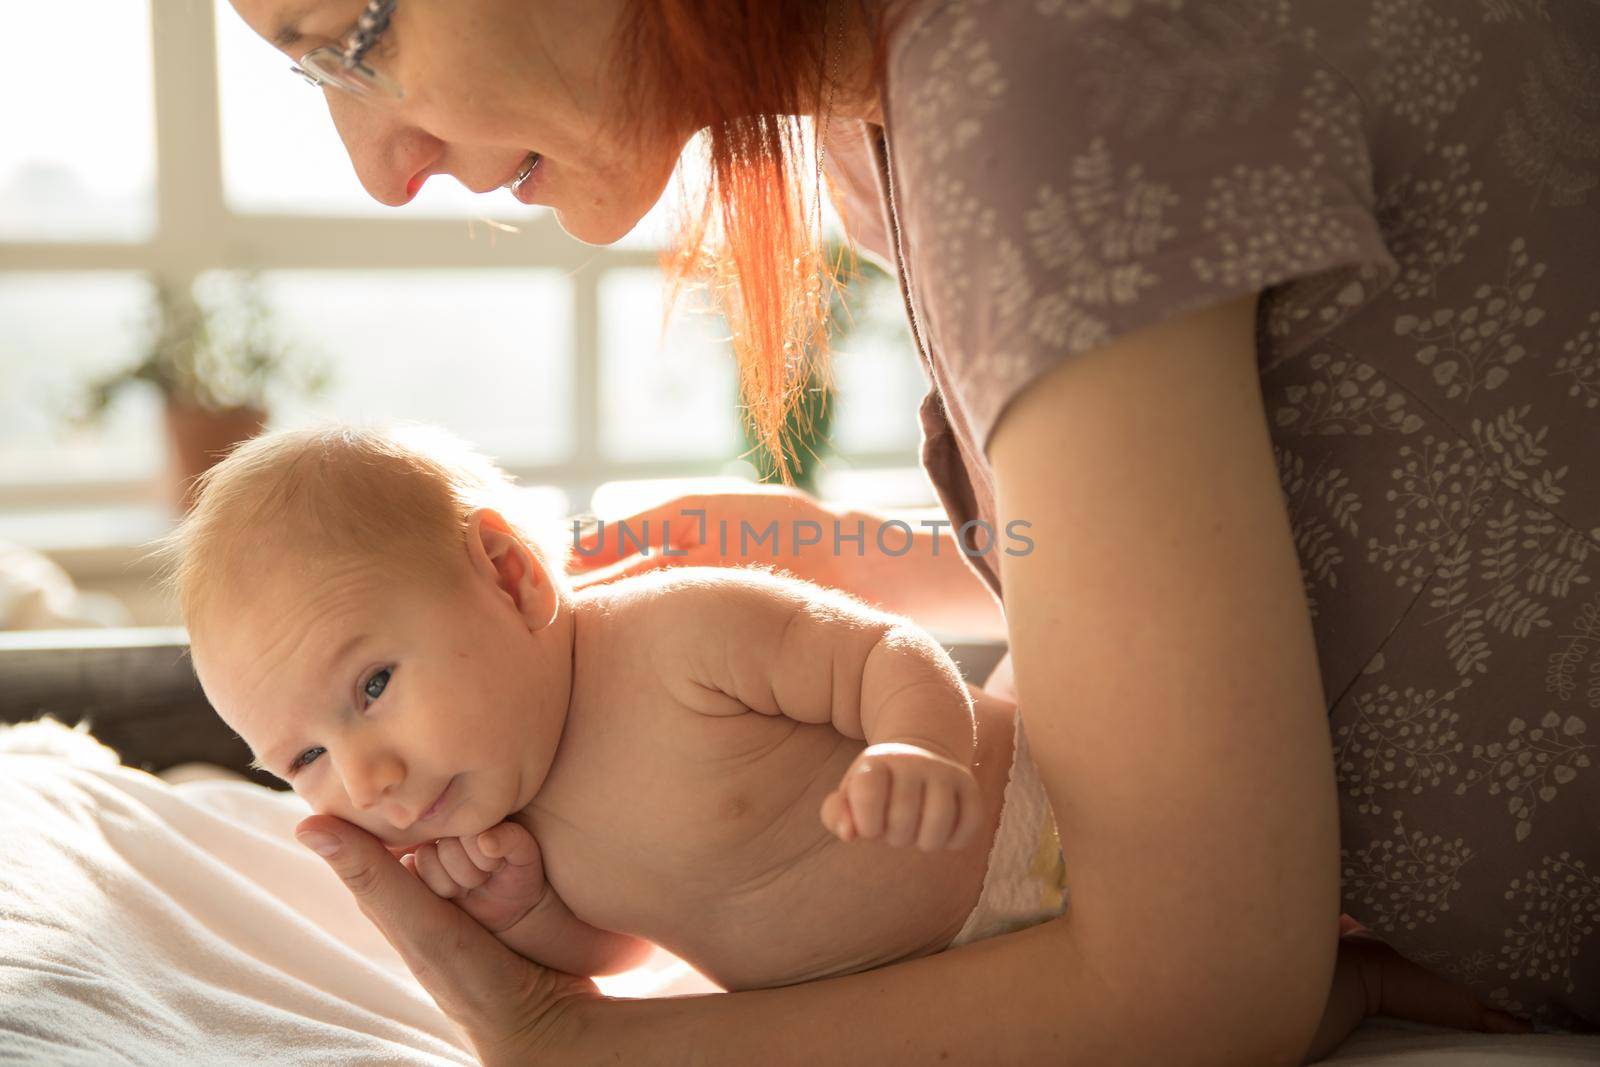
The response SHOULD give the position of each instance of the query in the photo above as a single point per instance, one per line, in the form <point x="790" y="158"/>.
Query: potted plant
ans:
<point x="806" y="432"/>
<point x="216" y="364"/>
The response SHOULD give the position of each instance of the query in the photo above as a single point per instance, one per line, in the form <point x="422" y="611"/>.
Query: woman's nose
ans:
<point x="388" y="154"/>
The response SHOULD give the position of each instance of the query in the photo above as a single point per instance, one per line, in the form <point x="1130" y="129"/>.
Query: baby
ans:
<point x="773" y="781"/>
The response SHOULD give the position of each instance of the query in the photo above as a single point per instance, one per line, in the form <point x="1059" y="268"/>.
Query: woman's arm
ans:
<point x="1168" y="677"/>
<point x="1008" y="1000"/>
<point x="1167" y="670"/>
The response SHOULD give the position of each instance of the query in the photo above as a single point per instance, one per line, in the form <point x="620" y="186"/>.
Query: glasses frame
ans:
<point x="344" y="67"/>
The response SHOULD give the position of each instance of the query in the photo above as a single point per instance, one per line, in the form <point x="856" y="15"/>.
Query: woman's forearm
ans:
<point x="1026" y="998"/>
<point x="1348" y="1002"/>
<point x="965" y="1006"/>
<point x="931" y="583"/>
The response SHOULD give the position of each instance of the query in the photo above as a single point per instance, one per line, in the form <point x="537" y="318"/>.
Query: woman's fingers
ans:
<point x="1407" y="990"/>
<point x="465" y="968"/>
<point x="632" y="565"/>
<point x="650" y="531"/>
<point x="707" y="528"/>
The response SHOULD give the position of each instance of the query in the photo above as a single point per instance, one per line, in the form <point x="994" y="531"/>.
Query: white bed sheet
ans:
<point x="147" y="923"/>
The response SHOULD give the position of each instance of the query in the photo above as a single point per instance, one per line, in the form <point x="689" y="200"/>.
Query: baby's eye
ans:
<point x="377" y="684"/>
<point x="305" y="759"/>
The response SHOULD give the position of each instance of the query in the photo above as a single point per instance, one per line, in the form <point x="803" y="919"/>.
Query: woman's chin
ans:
<point x="594" y="229"/>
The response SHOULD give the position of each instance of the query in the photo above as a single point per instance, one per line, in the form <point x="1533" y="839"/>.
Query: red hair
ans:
<point x="744" y="70"/>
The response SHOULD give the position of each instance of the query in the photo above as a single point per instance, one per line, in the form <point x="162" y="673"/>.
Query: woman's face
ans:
<point x="487" y="82"/>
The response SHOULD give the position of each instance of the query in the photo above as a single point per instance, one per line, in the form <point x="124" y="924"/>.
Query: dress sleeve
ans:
<point x="856" y="194"/>
<point x="1068" y="171"/>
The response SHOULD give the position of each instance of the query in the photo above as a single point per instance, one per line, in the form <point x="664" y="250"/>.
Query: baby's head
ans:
<point x="366" y="612"/>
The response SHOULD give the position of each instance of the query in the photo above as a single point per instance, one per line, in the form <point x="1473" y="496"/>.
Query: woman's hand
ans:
<point x="1371" y="978"/>
<point x="509" y="1008"/>
<point x="717" y="530"/>
<point x="908" y="566"/>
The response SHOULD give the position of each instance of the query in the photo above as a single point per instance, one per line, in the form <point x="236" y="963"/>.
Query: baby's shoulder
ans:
<point x="682" y="619"/>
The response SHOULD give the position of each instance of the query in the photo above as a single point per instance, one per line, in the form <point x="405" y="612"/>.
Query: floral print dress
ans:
<point x="1412" y="187"/>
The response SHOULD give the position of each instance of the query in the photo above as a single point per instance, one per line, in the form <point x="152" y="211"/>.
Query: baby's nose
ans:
<point x="368" y="781"/>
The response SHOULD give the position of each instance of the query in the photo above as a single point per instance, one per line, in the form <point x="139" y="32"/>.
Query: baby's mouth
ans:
<point x="438" y="803"/>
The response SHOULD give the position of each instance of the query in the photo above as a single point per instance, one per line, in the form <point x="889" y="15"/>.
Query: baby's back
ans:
<point x="702" y="833"/>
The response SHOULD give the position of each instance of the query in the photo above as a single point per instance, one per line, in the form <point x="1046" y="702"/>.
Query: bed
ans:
<point x="147" y="921"/>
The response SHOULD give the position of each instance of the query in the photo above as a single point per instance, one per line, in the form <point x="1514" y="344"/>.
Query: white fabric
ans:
<point x="1023" y="884"/>
<point x="1392" y="1043"/>
<point x="37" y="594"/>
<point x="147" y="923"/>
<point x="142" y="923"/>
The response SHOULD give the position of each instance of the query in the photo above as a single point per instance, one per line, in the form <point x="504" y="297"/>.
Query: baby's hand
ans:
<point x="497" y="877"/>
<point x="905" y="795"/>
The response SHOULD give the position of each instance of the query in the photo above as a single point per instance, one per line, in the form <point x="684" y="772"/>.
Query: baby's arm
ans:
<point x="765" y="643"/>
<point x="497" y="877"/>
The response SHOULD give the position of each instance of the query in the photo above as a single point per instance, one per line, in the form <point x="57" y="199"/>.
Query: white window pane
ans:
<point x="77" y="160"/>
<point x="877" y="377"/>
<point x="282" y="156"/>
<point x="61" y="333"/>
<point x="486" y="354"/>
<point x="658" y="228"/>
<point x="663" y="398"/>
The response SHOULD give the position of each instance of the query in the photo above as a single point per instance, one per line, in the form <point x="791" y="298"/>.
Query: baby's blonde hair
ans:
<point x="399" y="493"/>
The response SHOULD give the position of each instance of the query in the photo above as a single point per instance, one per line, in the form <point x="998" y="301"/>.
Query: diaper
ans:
<point x="1025" y="883"/>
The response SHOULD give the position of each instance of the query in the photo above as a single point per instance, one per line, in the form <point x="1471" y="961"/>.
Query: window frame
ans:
<point x="196" y="231"/>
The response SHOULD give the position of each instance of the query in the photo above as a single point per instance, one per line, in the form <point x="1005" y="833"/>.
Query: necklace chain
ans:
<point x="830" y="58"/>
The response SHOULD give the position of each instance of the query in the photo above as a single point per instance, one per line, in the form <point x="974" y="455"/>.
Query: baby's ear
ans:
<point x="498" y="555"/>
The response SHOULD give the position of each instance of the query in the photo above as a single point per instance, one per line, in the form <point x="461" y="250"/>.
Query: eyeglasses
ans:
<point x="344" y="68"/>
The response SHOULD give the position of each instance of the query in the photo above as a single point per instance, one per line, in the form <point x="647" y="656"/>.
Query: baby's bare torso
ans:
<point x="702" y="833"/>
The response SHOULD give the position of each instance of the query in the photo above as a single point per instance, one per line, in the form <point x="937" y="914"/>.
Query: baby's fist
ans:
<point x="905" y="795"/>
<point x="497" y="877"/>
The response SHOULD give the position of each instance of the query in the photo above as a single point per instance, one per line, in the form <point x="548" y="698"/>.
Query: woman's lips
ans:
<point x="438" y="805"/>
<point x="526" y="182"/>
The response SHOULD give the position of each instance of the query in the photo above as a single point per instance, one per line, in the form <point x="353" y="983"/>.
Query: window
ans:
<point x="486" y="354"/>
<point x="83" y="167"/>
<point x="470" y="311"/>
<point x="282" y="156"/>
<point x="58" y="333"/>
<point x="670" y="401"/>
